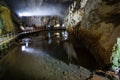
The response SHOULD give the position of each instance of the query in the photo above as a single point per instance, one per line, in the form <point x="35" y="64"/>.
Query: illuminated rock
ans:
<point x="5" y="14"/>
<point x="98" y="27"/>
<point x="75" y="14"/>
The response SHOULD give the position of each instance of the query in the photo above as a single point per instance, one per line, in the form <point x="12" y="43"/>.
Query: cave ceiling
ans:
<point x="38" y="7"/>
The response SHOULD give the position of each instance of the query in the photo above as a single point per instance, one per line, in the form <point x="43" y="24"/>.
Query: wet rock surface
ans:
<point x="99" y="28"/>
<point x="6" y="23"/>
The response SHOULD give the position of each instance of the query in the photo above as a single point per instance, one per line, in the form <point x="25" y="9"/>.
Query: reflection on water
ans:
<point x="26" y="56"/>
<point x="49" y="34"/>
<point x="57" y="45"/>
<point x="65" y="34"/>
<point x="25" y="42"/>
<point x="23" y="47"/>
<point x="34" y="51"/>
<point x="70" y="51"/>
<point x="56" y="35"/>
<point x="45" y="43"/>
<point x="49" y="41"/>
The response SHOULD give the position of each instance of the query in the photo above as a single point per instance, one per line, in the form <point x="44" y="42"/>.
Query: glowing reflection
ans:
<point x="26" y="44"/>
<point x="25" y="14"/>
<point x="49" y="34"/>
<point x="23" y="47"/>
<point x="57" y="34"/>
<point x="26" y="40"/>
<point x="65" y="35"/>
<point x="49" y="38"/>
<point x="35" y="10"/>
<point x="33" y="51"/>
<point x="57" y="25"/>
<point x="70" y="51"/>
<point x="49" y="41"/>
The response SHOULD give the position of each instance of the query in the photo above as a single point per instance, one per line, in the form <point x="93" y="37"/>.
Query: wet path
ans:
<point x="45" y="57"/>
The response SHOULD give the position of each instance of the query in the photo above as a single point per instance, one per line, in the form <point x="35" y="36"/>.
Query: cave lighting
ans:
<point x="63" y="25"/>
<point x="31" y="50"/>
<point x="57" y="34"/>
<point x="50" y="10"/>
<point x="23" y="47"/>
<point x="49" y="34"/>
<point x="57" y="25"/>
<point x="26" y="44"/>
<point x="65" y="35"/>
<point x="24" y="14"/>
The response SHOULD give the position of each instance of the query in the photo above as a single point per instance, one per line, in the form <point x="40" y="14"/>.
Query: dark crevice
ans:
<point x="112" y="18"/>
<point x="111" y="2"/>
<point x="83" y="52"/>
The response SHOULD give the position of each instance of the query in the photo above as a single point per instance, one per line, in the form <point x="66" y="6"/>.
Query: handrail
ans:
<point x="5" y="40"/>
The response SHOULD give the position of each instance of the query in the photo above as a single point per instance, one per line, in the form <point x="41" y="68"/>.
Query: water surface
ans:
<point x="33" y="53"/>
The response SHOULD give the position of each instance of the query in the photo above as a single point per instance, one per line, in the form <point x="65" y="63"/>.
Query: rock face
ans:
<point x="99" y="28"/>
<point x="75" y="14"/>
<point x="6" y="24"/>
<point x="41" y="21"/>
<point x="101" y="22"/>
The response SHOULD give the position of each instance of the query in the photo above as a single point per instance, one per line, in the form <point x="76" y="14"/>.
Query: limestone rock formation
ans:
<point x="99" y="27"/>
<point x="6" y="24"/>
<point x="102" y="22"/>
<point x="1" y="25"/>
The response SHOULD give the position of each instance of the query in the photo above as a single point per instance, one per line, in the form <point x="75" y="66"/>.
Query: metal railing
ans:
<point x="6" y="40"/>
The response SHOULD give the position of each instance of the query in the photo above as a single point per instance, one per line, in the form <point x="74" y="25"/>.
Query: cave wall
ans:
<point x="1" y="25"/>
<point x="41" y="21"/>
<point x="74" y="16"/>
<point x="101" y="20"/>
<point x="99" y="28"/>
<point x="6" y="22"/>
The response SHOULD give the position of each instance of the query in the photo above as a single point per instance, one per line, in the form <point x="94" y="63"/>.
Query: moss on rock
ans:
<point x="115" y="58"/>
<point x="5" y="14"/>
